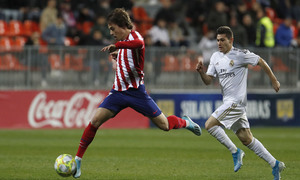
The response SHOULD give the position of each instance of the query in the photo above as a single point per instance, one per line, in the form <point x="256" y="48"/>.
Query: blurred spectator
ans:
<point x="296" y="10"/>
<point x="77" y="35"/>
<point x="68" y="15"/>
<point x="148" y="40"/>
<point x="102" y="8"/>
<point x="10" y="14"/>
<point x="253" y="11"/>
<point x="176" y="35"/>
<point x="250" y="29"/>
<point x="38" y="60"/>
<point x="101" y="26"/>
<point x="284" y="34"/>
<point x="126" y="4"/>
<point x="283" y="8"/>
<point x="264" y="30"/>
<point x="197" y="11"/>
<point x="249" y="3"/>
<point x="85" y="14"/>
<point x="55" y="34"/>
<point x="218" y="16"/>
<point x="19" y="10"/>
<point x="34" y="39"/>
<point x="172" y="11"/>
<point x="265" y="3"/>
<point x="296" y="42"/>
<point x="165" y="12"/>
<point x="241" y="10"/>
<point x="240" y="33"/>
<point x="95" y="39"/>
<point x="32" y="13"/>
<point x="101" y="67"/>
<point x="208" y="45"/>
<point x="159" y="34"/>
<point x="49" y="15"/>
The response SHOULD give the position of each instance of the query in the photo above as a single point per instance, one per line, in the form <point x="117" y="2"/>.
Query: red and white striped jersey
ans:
<point x="130" y="62"/>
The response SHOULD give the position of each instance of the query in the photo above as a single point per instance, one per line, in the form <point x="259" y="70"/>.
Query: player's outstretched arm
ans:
<point x="275" y="83"/>
<point x="110" y="48"/>
<point x="205" y="78"/>
<point x="112" y="51"/>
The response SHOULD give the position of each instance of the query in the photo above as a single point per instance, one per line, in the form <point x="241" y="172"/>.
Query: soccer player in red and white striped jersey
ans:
<point x="128" y="88"/>
<point x="130" y="62"/>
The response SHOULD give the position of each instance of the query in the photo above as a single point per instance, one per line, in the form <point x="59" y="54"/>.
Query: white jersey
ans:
<point x="232" y="70"/>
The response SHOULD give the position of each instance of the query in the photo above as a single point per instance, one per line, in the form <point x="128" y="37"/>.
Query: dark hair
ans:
<point x="225" y="30"/>
<point x="120" y="17"/>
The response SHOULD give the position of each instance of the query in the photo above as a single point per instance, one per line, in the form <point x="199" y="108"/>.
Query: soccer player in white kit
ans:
<point x="230" y="65"/>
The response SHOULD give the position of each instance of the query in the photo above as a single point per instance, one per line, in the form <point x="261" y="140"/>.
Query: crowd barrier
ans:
<point x="165" y="68"/>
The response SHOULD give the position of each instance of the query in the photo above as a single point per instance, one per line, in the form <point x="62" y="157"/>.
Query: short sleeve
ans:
<point x="251" y="58"/>
<point x="211" y="70"/>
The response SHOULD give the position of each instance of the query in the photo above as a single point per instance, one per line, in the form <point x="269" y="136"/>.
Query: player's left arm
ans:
<point x="275" y="83"/>
<point x="133" y="44"/>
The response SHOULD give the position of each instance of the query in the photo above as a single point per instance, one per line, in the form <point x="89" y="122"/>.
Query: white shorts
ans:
<point x="232" y="116"/>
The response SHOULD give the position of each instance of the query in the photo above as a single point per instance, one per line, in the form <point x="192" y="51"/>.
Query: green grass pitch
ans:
<point x="144" y="154"/>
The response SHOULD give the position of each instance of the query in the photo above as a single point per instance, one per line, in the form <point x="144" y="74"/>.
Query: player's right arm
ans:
<point x="207" y="79"/>
<point x="275" y="83"/>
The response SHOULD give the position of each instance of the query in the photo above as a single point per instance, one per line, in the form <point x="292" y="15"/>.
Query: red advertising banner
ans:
<point x="60" y="109"/>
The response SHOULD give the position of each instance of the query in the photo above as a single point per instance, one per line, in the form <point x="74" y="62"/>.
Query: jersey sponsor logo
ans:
<point x="223" y="70"/>
<point x="223" y="74"/>
<point x="227" y="75"/>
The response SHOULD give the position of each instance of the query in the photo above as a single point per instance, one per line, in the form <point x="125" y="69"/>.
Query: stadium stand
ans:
<point x="17" y="27"/>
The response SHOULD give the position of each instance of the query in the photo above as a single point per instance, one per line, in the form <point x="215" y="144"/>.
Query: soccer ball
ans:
<point x="65" y="165"/>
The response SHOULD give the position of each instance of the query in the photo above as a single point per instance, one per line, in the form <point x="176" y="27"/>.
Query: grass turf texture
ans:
<point x="144" y="154"/>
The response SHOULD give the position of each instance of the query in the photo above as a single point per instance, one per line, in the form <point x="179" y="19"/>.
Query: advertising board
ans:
<point x="60" y="109"/>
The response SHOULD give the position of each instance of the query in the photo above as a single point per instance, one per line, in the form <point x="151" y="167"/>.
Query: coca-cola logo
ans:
<point x="74" y="112"/>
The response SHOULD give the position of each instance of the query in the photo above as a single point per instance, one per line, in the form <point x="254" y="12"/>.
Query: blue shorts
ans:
<point x="137" y="99"/>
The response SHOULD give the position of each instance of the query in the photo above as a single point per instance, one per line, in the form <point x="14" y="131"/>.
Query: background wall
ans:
<point x="74" y="109"/>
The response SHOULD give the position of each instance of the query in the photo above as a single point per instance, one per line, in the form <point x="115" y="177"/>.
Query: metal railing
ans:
<point x="165" y="68"/>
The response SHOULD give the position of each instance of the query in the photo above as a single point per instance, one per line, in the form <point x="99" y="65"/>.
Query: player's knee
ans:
<point x="246" y="141"/>
<point x="211" y="122"/>
<point x="208" y="125"/>
<point x="97" y="121"/>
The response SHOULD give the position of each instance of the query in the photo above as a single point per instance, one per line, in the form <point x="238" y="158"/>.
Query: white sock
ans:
<point x="78" y="158"/>
<point x="222" y="137"/>
<point x="258" y="148"/>
<point x="187" y="123"/>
